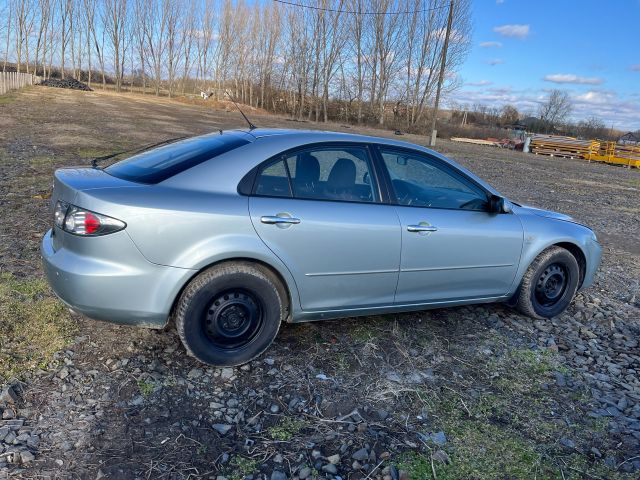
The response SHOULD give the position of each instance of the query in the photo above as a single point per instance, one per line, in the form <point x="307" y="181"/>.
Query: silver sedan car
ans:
<point x="234" y="232"/>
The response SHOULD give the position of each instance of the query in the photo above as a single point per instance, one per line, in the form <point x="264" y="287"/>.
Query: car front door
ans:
<point x="453" y="248"/>
<point x="318" y="209"/>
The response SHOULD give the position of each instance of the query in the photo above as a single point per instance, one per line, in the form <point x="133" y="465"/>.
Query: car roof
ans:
<point x="267" y="142"/>
<point x="325" y="135"/>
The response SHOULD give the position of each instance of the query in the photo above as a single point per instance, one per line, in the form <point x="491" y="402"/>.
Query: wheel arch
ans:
<point x="578" y="254"/>
<point x="286" y="290"/>
<point x="529" y="257"/>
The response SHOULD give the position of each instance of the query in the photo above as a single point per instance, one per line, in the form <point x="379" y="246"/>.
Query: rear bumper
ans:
<point x="106" y="278"/>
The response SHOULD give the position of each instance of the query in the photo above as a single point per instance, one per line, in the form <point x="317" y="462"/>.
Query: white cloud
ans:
<point x="571" y="78"/>
<point x="516" y="30"/>
<point x="622" y="112"/>
<point x="635" y="68"/>
<point x="455" y="36"/>
<point x="480" y="83"/>
<point x="595" y="97"/>
<point x="495" y="61"/>
<point x="490" y="44"/>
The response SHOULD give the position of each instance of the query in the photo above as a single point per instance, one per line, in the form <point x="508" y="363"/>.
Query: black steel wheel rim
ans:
<point x="233" y="319"/>
<point x="551" y="285"/>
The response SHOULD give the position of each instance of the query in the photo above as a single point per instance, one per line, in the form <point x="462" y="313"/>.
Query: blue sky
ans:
<point x="590" y="48"/>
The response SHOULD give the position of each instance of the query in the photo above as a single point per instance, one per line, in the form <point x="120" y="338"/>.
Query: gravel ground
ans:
<point x="472" y="392"/>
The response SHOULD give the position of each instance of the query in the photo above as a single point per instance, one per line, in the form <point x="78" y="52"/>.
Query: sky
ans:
<point x="523" y="48"/>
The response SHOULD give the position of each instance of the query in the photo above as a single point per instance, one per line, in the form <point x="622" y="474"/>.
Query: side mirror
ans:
<point x="365" y="178"/>
<point x="499" y="204"/>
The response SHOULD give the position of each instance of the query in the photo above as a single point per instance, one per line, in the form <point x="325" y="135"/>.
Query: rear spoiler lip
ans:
<point x="88" y="178"/>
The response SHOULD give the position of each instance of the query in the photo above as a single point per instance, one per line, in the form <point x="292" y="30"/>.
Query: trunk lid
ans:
<point x="69" y="181"/>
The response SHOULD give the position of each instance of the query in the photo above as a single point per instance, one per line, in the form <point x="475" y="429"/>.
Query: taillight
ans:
<point x="78" y="221"/>
<point x="59" y="213"/>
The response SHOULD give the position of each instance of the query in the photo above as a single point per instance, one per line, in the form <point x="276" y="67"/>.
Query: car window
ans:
<point x="161" y="163"/>
<point x="419" y="181"/>
<point x="321" y="173"/>
<point x="273" y="181"/>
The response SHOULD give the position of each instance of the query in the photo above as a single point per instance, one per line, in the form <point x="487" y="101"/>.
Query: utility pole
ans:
<point x="441" y="76"/>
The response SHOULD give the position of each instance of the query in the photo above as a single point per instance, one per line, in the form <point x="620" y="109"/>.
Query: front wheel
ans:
<point x="549" y="284"/>
<point x="230" y="313"/>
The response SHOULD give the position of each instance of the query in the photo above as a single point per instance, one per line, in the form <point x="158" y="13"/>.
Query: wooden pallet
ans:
<point x="564" y="147"/>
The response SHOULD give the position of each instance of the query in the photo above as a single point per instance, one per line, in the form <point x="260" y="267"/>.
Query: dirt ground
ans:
<point x="464" y="393"/>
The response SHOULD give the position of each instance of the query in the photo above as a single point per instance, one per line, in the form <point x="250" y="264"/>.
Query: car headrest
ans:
<point x="307" y="168"/>
<point x="343" y="174"/>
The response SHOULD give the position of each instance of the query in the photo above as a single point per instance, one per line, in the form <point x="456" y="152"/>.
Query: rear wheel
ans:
<point x="549" y="284"/>
<point x="230" y="313"/>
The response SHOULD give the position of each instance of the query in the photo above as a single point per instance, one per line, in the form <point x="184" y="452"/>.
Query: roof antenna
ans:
<point x="251" y="125"/>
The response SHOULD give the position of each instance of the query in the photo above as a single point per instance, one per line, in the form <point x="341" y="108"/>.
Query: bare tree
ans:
<point x="204" y="40"/>
<point x="24" y="17"/>
<point x="357" y="32"/>
<point x="266" y="43"/>
<point x="387" y="34"/>
<point x="154" y="27"/>
<point x="592" y="128"/>
<point x="333" y="59"/>
<point x="554" y="109"/>
<point x="188" y="36"/>
<point x="114" y="22"/>
<point x="65" y="15"/>
<point x="44" y="7"/>
<point x="90" y="12"/>
<point x="139" y="22"/>
<point x="9" y="17"/>
<point x="509" y="115"/>
<point x="171" y="12"/>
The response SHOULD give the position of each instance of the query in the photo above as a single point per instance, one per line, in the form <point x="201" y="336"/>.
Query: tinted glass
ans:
<point x="161" y="163"/>
<point x="421" y="182"/>
<point x="332" y="174"/>
<point x="273" y="181"/>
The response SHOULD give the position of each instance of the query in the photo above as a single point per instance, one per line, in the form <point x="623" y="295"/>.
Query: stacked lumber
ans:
<point x="632" y="152"/>
<point x="565" y="147"/>
<point x="476" y="141"/>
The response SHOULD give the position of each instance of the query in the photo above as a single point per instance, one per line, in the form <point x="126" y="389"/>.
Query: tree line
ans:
<point x="552" y="116"/>
<point x="374" y="61"/>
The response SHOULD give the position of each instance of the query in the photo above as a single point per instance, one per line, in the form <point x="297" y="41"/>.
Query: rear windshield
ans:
<point x="161" y="163"/>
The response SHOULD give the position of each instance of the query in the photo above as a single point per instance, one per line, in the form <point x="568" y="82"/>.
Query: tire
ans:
<point x="230" y="313"/>
<point x="549" y="284"/>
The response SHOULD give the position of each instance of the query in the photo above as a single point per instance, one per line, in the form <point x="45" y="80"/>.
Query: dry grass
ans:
<point x="34" y="325"/>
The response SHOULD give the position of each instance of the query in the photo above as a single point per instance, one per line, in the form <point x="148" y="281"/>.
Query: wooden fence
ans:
<point x="14" y="80"/>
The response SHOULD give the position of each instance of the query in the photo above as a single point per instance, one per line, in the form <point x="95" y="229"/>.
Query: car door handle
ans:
<point x="421" y="228"/>
<point x="275" y="220"/>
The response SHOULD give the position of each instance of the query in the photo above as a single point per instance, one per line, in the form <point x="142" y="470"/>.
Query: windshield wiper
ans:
<point x="96" y="160"/>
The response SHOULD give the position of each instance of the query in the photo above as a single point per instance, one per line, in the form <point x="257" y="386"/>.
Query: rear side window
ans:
<point x="320" y="173"/>
<point x="274" y="181"/>
<point x="162" y="163"/>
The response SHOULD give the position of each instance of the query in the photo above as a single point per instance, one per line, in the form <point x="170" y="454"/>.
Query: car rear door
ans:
<point x="318" y="209"/>
<point x="452" y="247"/>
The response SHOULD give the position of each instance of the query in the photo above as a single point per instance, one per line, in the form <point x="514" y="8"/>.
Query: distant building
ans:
<point x="516" y="126"/>
<point x="629" y="138"/>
